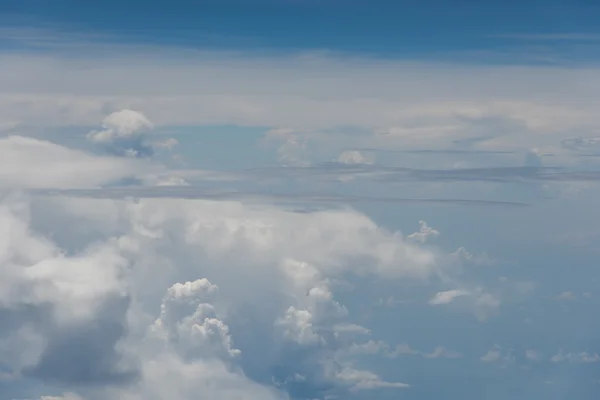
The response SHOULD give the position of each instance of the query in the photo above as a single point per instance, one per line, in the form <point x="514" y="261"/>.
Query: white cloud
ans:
<point x="106" y="284"/>
<point x="122" y="134"/>
<point x="407" y="104"/>
<point x="379" y="347"/>
<point x="581" y="358"/>
<point x="442" y="352"/>
<point x="403" y="350"/>
<point x="365" y="380"/>
<point x="354" y="157"/>
<point x="370" y="347"/>
<point x="32" y="163"/>
<point x="447" y="297"/>
<point x="120" y="124"/>
<point x="425" y="233"/>
<point x="190" y="323"/>
<point x="498" y="355"/>
<point x="461" y="255"/>
<point x="169" y="377"/>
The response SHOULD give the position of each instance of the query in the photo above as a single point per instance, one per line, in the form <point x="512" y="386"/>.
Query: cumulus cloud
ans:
<point x="122" y="134"/>
<point x="425" y="233"/>
<point x="215" y="289"/>
<point x="169" y="298"/>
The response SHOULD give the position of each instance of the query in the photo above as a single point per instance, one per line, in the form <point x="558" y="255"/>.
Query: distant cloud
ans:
<point x="581" y="358"/>
<point x="402" y="350"/>
<point x="447" y="297"/>
<point x="166" y="144"/>
<point x="337" y="171"/>
<point x="498" y="355"/>
<point x="122" y="134"/>
<point x="425" y="233"/>
<point x="196" y="192"/>
<point x="533" y="355"/>
<point x="442" y="352"/>
<point x="354" y="157"/>
<point x="573" y="36"/>
<point x="32" y="163"/>
<point x="566" y="296"/>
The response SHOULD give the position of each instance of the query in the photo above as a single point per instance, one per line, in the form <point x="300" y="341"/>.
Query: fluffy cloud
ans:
<point x="32" y="163"/>
<point x="425" y="233"/>
<point x="122" y="134"/>
<point x="197" y="286"/>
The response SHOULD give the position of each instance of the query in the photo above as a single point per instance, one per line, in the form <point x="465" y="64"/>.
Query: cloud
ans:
<point x="533" y="355"/>
<point x="122" y="134"/>
<point x="408" y="105"/>
<point x="354" y="157"/>
<point x="337" y="171"/>
<point x="186" y="191"/>
<point x="424" y="234"/>
<point x="441" y="352"/>
<point x="216" y="291"/>
<point x="579" y="358"/>
<point x="498" y="355"/>
<point x="566" y="296"/>
<point x="166" y="144"/>
<point x="582" y="144"/>
<point x="71" y="307"/>
<point x="447" y="297"/>
<point x="461" y="255"/>
<point x="32" y="163"/>
<point x="379" y="347"/>
<point x="576" y="36"/>
<point x="533" y="159"/>
<point x="365" y="380"/>
<point x="65" y="396"/>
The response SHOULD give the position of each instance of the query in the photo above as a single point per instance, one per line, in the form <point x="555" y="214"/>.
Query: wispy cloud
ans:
<point x="192" y="192"/>
<point x="572" y="36"/>
<point x="337" y="171"/>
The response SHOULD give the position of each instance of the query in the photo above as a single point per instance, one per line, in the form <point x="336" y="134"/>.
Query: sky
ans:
<point x="299" y="200"/>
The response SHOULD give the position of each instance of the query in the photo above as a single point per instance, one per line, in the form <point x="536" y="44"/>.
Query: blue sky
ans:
<point x="299" y="200"/>
<point x="398" y="29"/>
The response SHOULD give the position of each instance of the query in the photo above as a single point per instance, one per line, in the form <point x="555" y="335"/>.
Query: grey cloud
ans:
<point x="583" y="146"/>
<point x="191" y="192"/>
<point x="337" y="171"/>
<point x="84" y="353"/>
<point x="436" y="151"/>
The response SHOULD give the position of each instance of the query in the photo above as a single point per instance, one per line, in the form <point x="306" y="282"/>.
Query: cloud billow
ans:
<point x="123" y="134"/>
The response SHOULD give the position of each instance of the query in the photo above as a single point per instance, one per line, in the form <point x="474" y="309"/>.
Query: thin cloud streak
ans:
<point x="334" y="170"/>
<point x="188" y="192"/>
